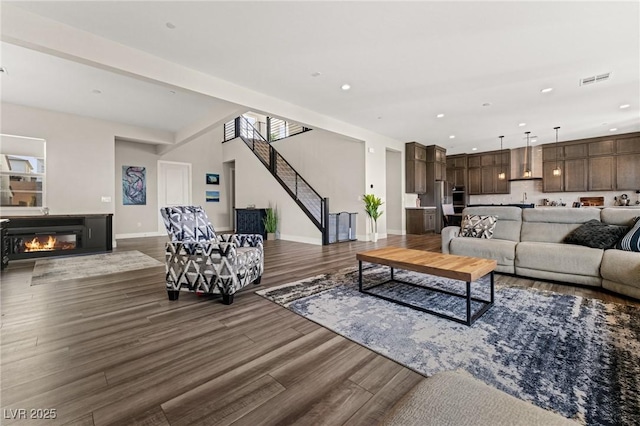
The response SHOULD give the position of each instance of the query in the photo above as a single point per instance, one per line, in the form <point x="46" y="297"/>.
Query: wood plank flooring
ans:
<point x="115" y="350"/>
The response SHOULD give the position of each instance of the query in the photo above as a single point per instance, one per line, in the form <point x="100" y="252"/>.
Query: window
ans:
<point x="22" y="172"/>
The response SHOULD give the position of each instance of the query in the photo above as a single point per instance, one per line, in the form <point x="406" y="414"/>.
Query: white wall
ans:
<point x="204" y="153"/>
<point x="80" y="155"/>
<point x="333" y="165"/>
<point x="255" y="186"/>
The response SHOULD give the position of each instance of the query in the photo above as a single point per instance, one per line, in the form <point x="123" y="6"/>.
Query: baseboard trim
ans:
<point x="299" y="239"/>
<point x="140" y="235"/>
<point x="396" y="232"/>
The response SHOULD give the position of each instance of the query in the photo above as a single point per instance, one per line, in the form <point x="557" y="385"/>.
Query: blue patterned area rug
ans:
<point x="576" y="356"/>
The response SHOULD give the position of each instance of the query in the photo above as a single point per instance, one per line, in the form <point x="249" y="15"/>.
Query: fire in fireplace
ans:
<point x="50" y="243"/>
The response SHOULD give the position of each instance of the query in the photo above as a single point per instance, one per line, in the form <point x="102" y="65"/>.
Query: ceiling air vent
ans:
<point x="595" y="79"/>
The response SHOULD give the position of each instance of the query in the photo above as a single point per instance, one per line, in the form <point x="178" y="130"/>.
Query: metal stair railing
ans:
<point x="312" y="204"/>
<point x="279" y="129"/>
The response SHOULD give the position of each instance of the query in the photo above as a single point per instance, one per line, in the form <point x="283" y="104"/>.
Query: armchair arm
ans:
<point x="242" y="240"/>
<point x="448" y="234"/>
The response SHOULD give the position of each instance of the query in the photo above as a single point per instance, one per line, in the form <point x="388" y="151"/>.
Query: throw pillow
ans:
<point x="631" y="241"/>
<point x="596" y="234"/>
<point x="478" y="226"/>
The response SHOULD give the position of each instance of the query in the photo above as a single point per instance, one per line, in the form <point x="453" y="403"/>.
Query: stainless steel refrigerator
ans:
<point x="441" y="193"/>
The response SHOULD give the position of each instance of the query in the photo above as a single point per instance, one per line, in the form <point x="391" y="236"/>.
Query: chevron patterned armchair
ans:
<point x="198" y="260"/>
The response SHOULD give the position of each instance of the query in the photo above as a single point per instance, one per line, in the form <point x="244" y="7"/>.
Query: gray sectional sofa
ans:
<point x="528" y="243"/>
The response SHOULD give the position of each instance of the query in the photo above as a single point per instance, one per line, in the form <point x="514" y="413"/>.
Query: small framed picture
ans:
<point x="212" y="196"/>
<point x="213" y="179"/>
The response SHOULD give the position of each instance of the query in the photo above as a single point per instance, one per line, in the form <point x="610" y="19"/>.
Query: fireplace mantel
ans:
<point x="85" y="233"/>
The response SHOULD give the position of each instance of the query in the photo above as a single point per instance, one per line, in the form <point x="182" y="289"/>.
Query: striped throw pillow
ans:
<point x="631" y="241"/>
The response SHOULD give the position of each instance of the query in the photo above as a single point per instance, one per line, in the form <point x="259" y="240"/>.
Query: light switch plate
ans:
<point x="106" y="199"/>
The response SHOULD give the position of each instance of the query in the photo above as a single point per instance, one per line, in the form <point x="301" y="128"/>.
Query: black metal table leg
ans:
<point x="468" y="302"/>
<point x="360" y="275"/>
<point x="391" y="273"/>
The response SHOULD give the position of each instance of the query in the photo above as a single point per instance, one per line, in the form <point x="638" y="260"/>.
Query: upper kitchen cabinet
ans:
<point x="415" y="168"/>
<point x="457" y="169"/>
<point x="595" y="164"/>
<point x="483" y="170"/>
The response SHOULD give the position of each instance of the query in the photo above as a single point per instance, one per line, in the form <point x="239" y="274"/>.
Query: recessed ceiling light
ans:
<point x="345" y="87"/>
<point x="613" y="129"/>
<point x="452" y="136"/>
<point x="96" y="91"/>
<point x="316" y="74"/>
<point x="170" y="26"/>
<point x="474" y="149"/>
<point x="439" y="115"/>
<point x="547" y="90"/>
<point x="486" y="104"/>
<point x="522" y="124"/>
<point x="624" y="106"/>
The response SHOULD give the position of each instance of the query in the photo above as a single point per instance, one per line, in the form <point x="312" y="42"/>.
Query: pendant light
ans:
<point x="501" y="175"/>
<point x="557" y="171"/>
<point x="527" y="171"/>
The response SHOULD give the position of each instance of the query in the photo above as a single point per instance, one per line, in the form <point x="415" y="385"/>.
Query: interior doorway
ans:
<point x="174" y="186"/>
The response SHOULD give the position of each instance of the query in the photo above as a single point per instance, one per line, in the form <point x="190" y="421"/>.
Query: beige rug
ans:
<point x="52" y="270"/>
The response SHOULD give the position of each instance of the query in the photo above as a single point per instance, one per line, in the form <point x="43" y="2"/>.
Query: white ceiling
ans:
<point x="45" y="81"/>
<point x="406" y="62"/>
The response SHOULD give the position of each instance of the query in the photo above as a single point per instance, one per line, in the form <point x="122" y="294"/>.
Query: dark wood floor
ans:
<point x="114" y="350"/>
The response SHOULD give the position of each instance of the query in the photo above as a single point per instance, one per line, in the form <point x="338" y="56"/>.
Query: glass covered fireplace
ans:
<point x="36" y="243"/>
<point x="28" y="237"/>
<point x="46" y="242"/>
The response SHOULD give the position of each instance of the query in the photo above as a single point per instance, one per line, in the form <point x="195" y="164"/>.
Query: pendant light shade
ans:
<point x="502" y="175"/>
<point x="557" y="171"/>
<point x="527" y="170"/>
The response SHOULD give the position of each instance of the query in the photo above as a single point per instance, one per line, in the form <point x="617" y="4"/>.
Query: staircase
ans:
<point x="312" y="204"/>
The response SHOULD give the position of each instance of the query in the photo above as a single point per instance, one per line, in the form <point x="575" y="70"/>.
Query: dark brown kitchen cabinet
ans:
<point x="628" y="172"/>
<point x="457" y="169"/>
<point x="628" y="145"/>
<point x="595" y="164"/>
<point x="416" y="176"/>
<point x="483" y="175"/>
<point x="575" y="175"/>
<point x="474" y="176"/>
<point x="550" y="182"/>
<point x="420" y="221"/>
<point x="415" y="168"/>
<point x="602" y="171"/>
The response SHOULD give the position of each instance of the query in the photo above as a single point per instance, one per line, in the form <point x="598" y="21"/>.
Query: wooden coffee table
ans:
<point x="463" y="268"/>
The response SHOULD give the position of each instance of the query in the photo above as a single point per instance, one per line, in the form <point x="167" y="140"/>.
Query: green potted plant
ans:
<point x="372" y="207"/>
<point x="271" y="222"/>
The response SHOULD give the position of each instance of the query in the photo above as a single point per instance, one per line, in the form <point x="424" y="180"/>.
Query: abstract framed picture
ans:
<point x="134" y="186"/>
<point x="213" y="179"/>
<point x="212" y="196"/>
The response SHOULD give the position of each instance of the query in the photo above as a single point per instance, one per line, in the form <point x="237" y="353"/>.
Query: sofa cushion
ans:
<point x="596" y="234"/>
<point x="509" y="220"/>
<point x="622" y="267"/>
<point x="620" y="215"/>
<point x="631" y="241"/>
<point x="553" y="224"/>
<point x="503" y="251"/>
<point x="477" y="226"/>
<point x="564" y="258"/>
